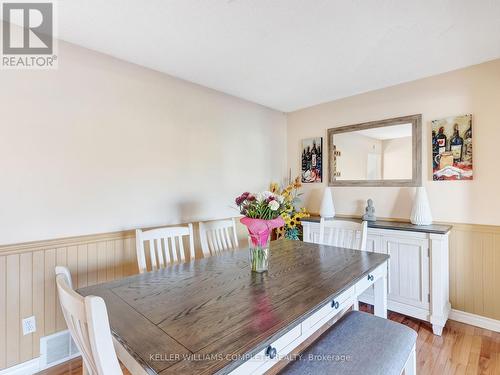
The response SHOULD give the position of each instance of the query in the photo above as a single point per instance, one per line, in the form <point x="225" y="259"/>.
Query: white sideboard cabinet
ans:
<point x="418" y="271"/>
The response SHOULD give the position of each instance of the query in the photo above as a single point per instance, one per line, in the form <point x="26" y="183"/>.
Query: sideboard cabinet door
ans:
<point x="408" y="279"/>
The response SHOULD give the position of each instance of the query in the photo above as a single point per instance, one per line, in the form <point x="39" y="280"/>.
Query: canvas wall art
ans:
<point x="452" y="148"/>
<point x="312" y="160"/>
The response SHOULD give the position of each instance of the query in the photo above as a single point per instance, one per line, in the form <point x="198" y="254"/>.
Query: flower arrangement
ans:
<point x="266" y="205"/>
<point x="291" y="215"/>
<point x="262" y="213"/>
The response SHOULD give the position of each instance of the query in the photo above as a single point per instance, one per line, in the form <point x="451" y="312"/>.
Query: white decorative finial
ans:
<point x="327" y="209"/>
<point x="421" y="211"/>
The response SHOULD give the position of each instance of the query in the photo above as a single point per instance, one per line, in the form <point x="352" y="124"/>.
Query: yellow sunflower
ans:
<point x="274" y="187"/>
<point x="297" y="184"/>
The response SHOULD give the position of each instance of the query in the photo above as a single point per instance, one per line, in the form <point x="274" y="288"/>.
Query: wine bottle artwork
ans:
<point x="456" y="145"/>
<point x="441" y="140"/>
<point x="467" y="155"/>
<point x="312" y="160"/>
<point x="452" y="148"/>
<point x="435" y="149"/>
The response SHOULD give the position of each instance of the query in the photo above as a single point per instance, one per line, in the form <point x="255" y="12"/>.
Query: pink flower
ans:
<point x="270" y="199"/>
<point x="239" y="200"/>
<point x="251" y="198"/>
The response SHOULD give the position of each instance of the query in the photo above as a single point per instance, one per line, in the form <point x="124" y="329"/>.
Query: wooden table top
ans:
<point x="197" y="317"/>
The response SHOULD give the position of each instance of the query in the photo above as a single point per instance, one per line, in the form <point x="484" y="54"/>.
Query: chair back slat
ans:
<point x="227" y="237"/>
<point x="162" y="246"/>
<point x="168" y="257"/>
<point x="217" y="236"/>
<point x="220" y="247"/>
<point x="152" y="254"/>
<point x="343" y="233"/>
<point x="210" y="236"/>
<point x="87" y="321"/>
<point x="181" y="248"/>
<point x="159" y="252"/>
<point x="172" y="249"/>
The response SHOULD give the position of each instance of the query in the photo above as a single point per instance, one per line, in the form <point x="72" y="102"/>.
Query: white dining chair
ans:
<point x="343" y="233"/>
<point x="217" y="236"/>
<point x="162" y="246"/>
<point x="87" y="321"/>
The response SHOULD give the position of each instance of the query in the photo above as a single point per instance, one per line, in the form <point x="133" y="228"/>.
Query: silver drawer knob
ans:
<point x="335" y="304"/>
<point x="370" y="277"/>
<point x="271" y="352"/>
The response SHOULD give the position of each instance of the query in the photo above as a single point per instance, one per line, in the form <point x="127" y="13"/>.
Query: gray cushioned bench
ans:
<point x="359" y="343"/>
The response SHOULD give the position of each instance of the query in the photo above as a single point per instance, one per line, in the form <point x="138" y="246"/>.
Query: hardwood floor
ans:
<point x="73" y="367"/>
<point x="463" y="349"/>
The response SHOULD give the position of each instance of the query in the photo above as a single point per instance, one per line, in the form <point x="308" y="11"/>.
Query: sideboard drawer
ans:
<point x="328" y="311"/>
<point x="369" y="279"/>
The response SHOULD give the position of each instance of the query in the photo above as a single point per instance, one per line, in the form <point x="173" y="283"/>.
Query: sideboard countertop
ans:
<point x="395" y="225"/>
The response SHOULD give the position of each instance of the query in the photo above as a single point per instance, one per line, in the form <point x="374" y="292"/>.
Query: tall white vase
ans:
<point x="327" y="209"/>
<point x="421" y="211"/>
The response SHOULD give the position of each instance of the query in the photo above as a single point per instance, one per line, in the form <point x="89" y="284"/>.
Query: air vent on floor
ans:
<point x="57" y="348"/>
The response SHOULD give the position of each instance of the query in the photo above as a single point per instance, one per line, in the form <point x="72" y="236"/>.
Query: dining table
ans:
<point x="214" y="316"/>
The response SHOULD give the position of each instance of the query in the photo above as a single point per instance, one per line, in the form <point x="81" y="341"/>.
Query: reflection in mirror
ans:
<point x="377" y="153"/>
<point x="383" y="153"/>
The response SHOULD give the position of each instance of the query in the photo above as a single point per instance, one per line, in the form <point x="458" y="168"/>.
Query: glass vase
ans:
<point x="259" y="253"/>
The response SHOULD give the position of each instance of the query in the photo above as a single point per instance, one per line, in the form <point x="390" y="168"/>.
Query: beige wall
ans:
<point x="101" y="145"/>
<point x="473" y="90"/>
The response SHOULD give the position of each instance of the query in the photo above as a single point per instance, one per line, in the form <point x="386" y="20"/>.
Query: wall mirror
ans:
<point x="377" y="153"/>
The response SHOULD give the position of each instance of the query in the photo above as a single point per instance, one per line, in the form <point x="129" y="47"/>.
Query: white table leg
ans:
<point x="411" y="363"/>
<point x="380" y="296"/>
<point x="355" y="305"/>
<point x="133" y="367"/>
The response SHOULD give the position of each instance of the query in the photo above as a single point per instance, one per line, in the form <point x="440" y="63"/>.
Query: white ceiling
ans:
<point x="289" y="54"/>
<point x="388" y="132"/>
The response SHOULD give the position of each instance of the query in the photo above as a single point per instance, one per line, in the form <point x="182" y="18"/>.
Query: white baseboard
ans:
<point x="25" y="368"/>
<point x="475" y="320"/>
<point x="59" y="343"/>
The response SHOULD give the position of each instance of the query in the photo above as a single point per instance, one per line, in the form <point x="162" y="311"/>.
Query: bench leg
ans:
<point x="411" y="363"/>
<point x="380" y="294"/>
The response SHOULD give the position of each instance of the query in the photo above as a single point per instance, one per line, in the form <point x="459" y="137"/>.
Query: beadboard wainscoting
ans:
<point x="474" y="270"/>
<point x="27" y="285"/>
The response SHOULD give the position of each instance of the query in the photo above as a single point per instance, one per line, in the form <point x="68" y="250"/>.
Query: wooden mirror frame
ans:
<point x="416" y="180"/>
